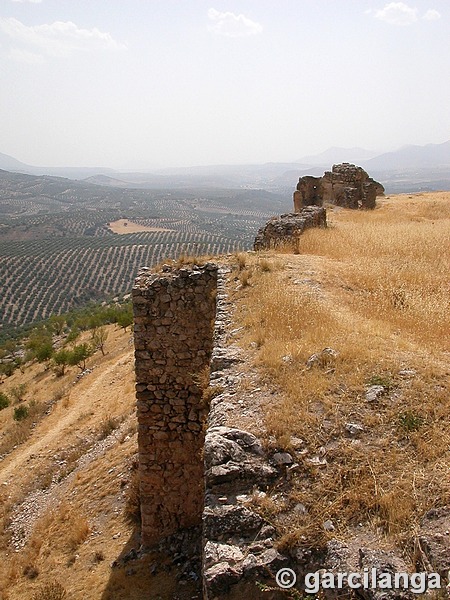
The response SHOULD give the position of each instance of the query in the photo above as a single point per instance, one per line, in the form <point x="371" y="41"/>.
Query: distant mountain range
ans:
<point x="338" y="155"/>
<point x="419" y="167"/>
<point x="411" y="157"/>
<point x="8" y="163"/>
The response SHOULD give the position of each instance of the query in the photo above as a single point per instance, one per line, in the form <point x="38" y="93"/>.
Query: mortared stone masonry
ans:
<point x="174" y="312"/>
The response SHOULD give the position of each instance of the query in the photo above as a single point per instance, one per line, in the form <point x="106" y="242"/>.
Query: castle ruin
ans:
<point x="345" y="185"/>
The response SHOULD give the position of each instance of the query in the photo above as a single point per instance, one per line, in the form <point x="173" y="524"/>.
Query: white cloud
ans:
<point x="32" y="1"/>
<point x="432" y="15"/>
<point x="232" y="25"/>
<point x="23" y="56"/>
<point x="397" y="13"/>
<point x="61" y="38"/>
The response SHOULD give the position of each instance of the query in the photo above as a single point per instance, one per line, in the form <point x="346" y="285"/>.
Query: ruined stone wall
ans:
<point x="345" y="185"/>
<point x="174" y="314"/>
<point x="308" y="193"/>
<point x="285" y="229"/>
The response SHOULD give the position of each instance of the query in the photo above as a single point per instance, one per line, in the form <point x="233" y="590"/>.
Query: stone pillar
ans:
<point x="174" y="313"/>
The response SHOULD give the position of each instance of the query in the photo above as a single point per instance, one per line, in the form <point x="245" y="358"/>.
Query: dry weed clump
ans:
<point x="51" y="591"/>
<point x="184" y="260"/>
<point x="108" y="425"/>
<point x="381" y="306"/>
<point x="65" y="524"/>
<point x="248" y="266"/>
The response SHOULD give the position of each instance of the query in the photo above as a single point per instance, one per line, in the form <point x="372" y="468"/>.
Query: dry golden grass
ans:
<point x="184" y="260"/>
<point x="397" y="258"/>
<point x="374" y="287"/>
<point x="46" y="458"/>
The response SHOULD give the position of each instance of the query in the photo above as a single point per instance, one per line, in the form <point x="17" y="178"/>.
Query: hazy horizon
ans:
<point x="151" y="85"/>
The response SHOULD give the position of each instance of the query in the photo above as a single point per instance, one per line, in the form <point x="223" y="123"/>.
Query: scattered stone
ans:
<point x="131" y="555"/>
<point x="296" y="442"/>
<point x="267" y="531"/>
<point x="353" y="428"/>
<point x="317" y="461"/>
<point x="342" y="558"/>
<point x="296" y="467"/>
<point x="243" y="498"/>
<point x="215" y="552"/>
<point x="220" y="450"/>
<point x="260" y="565"/>
<point x="282" y="458"/>
<point x="300" y="509"/>
<point x="407" y="373"/>
<point x="223" y="358"/>
<point x="258" y="494"/>
<point x="374" y="392"/>
<point x="328" y="525"/>
<point x="220" y="577"/>
<point x="229" y="520"/>
<point x="83" y="374"/>
<point x="433" y="542"/>
<point x="324" y="359"/>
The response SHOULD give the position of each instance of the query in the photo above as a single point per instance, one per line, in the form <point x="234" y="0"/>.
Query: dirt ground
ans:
<point x="123" y="226"/>
<point x="64" y="491"/>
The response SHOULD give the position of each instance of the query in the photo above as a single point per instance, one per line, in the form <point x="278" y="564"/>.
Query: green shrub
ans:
<point x="18" y="391"/>
<point x="411" y="421"/>
<point x="44" y="351"/>
<point x="79" y="355"/>
<point x="73" y="334"/>
<point x="99" y="336"/>
<point x="20" y="412"/>
<point x="125" y="318"/>
<point x="61" y="360"/>
<point x="57" y="323"/>
<point x="4" y="401"/>
<point x="7" y="369"/>
<point x="385" y="379"/>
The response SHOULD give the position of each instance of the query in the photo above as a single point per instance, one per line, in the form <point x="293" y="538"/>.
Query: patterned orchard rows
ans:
<point x="43" y="277"/>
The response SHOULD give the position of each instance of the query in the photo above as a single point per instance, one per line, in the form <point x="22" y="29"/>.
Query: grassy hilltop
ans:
<point x="372" y="287"/>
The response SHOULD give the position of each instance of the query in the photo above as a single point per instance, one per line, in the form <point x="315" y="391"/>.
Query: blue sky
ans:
<point x="145" y="83"/>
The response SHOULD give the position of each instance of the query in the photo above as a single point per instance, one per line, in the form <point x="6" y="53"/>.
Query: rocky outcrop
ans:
<point x="345" y="185"/>
<point x="285" y="228"/>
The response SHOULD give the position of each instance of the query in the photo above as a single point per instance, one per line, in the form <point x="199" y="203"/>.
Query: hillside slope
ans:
<point x="372" y="288"/>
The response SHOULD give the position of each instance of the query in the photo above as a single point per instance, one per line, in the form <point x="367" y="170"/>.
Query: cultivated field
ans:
<point x="124" y="226"/>
<point x="63" y="242"/>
